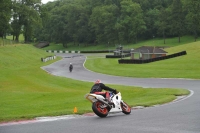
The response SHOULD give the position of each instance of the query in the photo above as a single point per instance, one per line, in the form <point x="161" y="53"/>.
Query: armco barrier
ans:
<point x="48" y="58"/>
<point x="97" y="51"/>
<point x="137" y="61"/>
<point x="113" y="56"/>
<point x="61" y="51"/>
<point x="118" y="56"/>
<point x="64" y="51"/>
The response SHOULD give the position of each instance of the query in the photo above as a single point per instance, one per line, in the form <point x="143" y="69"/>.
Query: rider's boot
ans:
<point x="109" y="102"/>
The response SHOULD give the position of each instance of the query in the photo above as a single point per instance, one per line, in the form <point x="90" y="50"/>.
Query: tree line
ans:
<point x="99" y="21"/>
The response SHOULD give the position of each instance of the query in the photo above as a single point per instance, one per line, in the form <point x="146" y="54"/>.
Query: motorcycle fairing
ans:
<point x="116" y="99"/>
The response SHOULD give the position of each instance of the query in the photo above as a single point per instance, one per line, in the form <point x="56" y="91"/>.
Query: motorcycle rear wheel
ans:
<point x="99" y="110"/>
<point x="126" y="109"/>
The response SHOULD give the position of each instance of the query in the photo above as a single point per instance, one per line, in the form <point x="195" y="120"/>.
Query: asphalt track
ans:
<point x="181" y="116"/>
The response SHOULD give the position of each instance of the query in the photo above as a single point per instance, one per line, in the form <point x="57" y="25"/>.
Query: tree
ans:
<point x="103" y="19"/>
<point x="65" y="22"/>
<point x="163" y="23"/>
<point x="177" y="19"/>
<point x="193" y="16"/>
<point x="25" y="18"/>
<point x="151" y="18"/>
<point x="131" y="20"/>
<point x="5" y="15"/>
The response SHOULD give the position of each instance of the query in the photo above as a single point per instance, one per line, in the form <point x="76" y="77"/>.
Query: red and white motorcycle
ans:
<point x="102" y="108"/>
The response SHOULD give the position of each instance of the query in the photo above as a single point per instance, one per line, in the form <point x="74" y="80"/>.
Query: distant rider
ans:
<point x="98" y="87"/>
<point x="70" y="67"/>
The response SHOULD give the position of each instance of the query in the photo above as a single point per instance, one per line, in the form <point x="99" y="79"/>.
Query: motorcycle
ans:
<point x="102" y="108"/>
<point x="70" y="67"/>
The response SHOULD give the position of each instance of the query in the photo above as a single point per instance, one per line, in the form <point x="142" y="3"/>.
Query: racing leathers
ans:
<point x="98" y="87"/>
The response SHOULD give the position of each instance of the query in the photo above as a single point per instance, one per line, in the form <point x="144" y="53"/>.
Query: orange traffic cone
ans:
<point x="75" y="110"/>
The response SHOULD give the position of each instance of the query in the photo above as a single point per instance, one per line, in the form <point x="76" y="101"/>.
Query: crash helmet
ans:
<point x="70" y="63"/>
<point x="97" y="81"/>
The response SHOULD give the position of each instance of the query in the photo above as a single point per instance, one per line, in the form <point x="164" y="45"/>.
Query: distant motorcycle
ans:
<point x="70" y="67"/>
<point x="102" y="108"/>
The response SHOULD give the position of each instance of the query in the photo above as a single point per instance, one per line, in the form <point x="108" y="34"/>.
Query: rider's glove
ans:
<point x="115" y="91"/>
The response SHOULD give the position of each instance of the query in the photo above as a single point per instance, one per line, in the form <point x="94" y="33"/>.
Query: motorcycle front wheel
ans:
<point x="99" y="109"/>
<point x="126" y="109"/>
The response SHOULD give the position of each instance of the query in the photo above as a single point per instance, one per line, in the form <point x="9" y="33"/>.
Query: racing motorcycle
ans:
<point x="102" y="108"/>
<point x="70" y="67"/>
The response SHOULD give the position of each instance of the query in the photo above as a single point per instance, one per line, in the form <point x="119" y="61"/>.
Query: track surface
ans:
<point x="177" y="117"/>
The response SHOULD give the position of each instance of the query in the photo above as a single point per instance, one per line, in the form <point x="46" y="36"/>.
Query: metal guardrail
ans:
<point x="61" y="51"/>
<point x="118" y="56"/>
<point x="48" y="58"/>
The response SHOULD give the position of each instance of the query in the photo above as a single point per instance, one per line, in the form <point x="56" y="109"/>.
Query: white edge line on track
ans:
<point x="41" y="119"/>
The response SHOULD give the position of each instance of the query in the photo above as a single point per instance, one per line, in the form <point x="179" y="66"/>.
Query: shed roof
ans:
<point x="149" y="49"/>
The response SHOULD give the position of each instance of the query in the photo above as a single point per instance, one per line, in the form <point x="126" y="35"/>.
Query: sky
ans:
<point x="45" y="1"/>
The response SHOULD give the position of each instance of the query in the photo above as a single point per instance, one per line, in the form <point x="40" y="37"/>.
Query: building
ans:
<point x="147" y="52"/>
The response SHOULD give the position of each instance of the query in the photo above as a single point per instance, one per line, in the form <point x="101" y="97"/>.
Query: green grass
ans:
<point x="186" y="66"/>
<point x="27" y="91"/>
<point x="170" y="42"/>
<point x="21" y="37"/>
<point x="9" y="40"/>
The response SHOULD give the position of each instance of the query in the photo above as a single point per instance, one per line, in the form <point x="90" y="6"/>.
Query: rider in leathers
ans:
<point x="98" y="87"/>
<point x="70" y="67"/>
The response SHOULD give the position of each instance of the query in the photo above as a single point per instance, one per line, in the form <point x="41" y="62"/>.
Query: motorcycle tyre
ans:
<point x="70" y="70"/>
<point x="98" y="110"/>
<point x="124" y="109"/>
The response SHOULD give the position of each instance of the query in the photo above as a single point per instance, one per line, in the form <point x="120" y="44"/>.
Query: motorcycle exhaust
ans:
<point x="104" y="102"/>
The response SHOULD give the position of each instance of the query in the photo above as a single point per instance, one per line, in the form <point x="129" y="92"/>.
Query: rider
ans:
<point x="98" y="87"/>
<point x="70" y="67"/>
